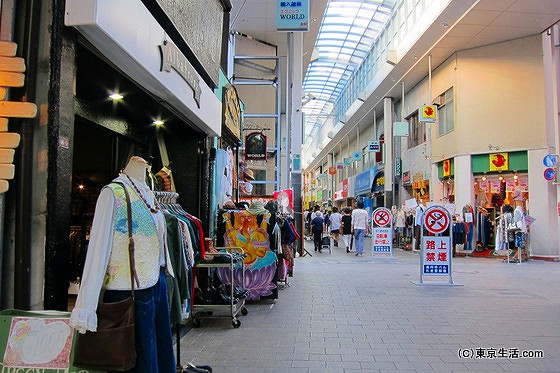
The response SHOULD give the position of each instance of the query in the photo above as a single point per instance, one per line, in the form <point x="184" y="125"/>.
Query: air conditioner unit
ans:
<point x="330" y="134"/>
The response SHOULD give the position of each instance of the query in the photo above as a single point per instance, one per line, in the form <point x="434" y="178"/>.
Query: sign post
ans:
<point x="436" y="246"/>
<point x="382" y="231"/>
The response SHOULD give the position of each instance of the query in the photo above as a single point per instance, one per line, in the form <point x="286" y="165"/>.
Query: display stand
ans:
<point x="382" y="232"/>
<point x="436" y="248"/>
<point x="236" y="305"/>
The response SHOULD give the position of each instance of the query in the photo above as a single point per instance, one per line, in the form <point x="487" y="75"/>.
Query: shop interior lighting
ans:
<point x="515" y="177"/>
<point x="158" y="122"/>
<point x="116" y="96"/>
<point x="483" y="177"/>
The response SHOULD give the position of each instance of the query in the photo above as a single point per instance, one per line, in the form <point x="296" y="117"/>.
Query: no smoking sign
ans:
<point x="436" y="220"/>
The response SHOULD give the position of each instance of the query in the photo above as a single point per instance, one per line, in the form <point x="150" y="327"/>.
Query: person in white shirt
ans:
<point x="418" y="226"/>
<point x="336" y="223"/>
<point x="359" y="227"/>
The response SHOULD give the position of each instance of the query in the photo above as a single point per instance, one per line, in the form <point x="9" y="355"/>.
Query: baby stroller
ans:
<point x="326" y="243"/>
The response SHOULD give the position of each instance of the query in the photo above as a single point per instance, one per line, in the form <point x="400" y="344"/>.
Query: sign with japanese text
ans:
<point x="332" y="170"/>
<point x="436" y="242"/>
<point x="292" y="15"/>
<point x="382" y="231"/>
<point x="436" y="256"/>
<point x="382" y="240"/>
<point x="345" y="188"/>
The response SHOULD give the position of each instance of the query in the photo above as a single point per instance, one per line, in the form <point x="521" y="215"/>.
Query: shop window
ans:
<point x="417" y="133"/>
<point x="446" y="117"/>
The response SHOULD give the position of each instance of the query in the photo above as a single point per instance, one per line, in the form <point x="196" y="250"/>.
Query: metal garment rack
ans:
<point x="236" y="306"/>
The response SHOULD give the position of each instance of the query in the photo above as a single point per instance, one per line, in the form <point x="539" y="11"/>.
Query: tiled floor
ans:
<point x="343" y="313"/>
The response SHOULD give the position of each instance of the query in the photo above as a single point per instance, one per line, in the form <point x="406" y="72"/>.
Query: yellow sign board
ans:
<point x="498" y="161"/>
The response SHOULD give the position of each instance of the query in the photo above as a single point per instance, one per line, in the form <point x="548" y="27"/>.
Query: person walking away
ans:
<point x="400" y="224"/>
<point x="347" y="229"/>
<point x="317" y="225"/>
<point x="336" y="223"/>
<point x="418" y="226"/>
<point x="327" y="219"/>
<point x="359" y="227"/>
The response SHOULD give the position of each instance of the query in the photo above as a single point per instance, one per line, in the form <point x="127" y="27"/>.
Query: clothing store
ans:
<point x="146" y="107"/>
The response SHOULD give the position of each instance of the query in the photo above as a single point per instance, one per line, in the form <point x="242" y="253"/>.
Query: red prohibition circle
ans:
<point x="436" y="221"/>
<point x="382" y="217"/>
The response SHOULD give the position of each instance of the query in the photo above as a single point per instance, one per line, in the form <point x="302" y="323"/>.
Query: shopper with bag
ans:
<point x="128" y="251"/>
<point x="318" y="226"/>
<point x="347" y="229"/>
<point x="336" y="223"/>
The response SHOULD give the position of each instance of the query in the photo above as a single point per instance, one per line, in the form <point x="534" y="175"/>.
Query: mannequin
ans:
<point x="108" y="253"/>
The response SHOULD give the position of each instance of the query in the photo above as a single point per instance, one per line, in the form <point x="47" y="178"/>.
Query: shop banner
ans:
<point x="483" y="185"/>
<point x="510" y="185"/>
<point x="495" y="185"/>
<point x="363" y="181"/>
<point x="523" y="183"/>
<point x="255" y="146"/>
<point x="332" y="170"/>
<point x="345" y="188"/>
<point x="498" y="161"/>
<point x="447" y="167"/>
<point x="292" y="15"/>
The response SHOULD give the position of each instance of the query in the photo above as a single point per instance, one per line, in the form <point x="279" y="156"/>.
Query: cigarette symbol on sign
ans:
<point x="436" y="221"/>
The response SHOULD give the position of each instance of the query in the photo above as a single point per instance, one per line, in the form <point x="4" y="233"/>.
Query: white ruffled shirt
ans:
<point x="84" y="315"/>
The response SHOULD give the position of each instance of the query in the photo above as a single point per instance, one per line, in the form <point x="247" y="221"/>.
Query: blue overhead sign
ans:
<point x="363" y="181"/>
<point x="292" y="15"/>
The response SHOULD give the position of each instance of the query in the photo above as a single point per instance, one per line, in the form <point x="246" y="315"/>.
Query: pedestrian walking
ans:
<point x="318" y="226"/>
<point x="347" y="228"/>
<point x="336" y="223"/>
<point x="359" y="226"/>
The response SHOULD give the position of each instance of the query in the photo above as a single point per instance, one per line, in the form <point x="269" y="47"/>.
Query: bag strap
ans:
<point x="133" y="274"/>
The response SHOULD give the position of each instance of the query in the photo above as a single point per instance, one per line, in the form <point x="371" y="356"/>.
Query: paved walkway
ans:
<point x="344" y="313"/>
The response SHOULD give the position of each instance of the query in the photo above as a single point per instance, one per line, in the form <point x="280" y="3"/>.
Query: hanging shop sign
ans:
<point x="339" y="166"/>
<point x="356" y="156"/>
<point x="406" y="177"/>
<point x="332" y="170"/>
<point x="498" y="161"/>
<point x="400" y="129"/>
<point x="292" y="15"/>
<point x="345" y="188"/>
<point x="362" y="181"/>
<point x="255" y="146"/>
<point x="428" y="114"/>
<point x="232" y="111"/>
<point x="378" y="184"/>
<point x="347" y="161"/>
<point x="173" y="58"/>
<point x="11" y="75"/>
<point x="447" y="167"/>
<point x="398" y="167"/>
<point x="374" y="146"/>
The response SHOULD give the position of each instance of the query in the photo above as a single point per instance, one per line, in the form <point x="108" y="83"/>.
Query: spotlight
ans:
<point x="116" y="96"/>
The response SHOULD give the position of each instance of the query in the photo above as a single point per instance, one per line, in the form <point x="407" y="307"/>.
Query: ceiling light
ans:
<point x="116" y="96"/>
<point x="158" y="122"/>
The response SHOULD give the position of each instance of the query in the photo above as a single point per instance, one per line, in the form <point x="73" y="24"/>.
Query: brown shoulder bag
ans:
<point x="113" y="345"/>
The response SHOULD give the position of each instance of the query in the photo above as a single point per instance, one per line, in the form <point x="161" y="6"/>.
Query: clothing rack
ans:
<point x="166" y="197"/>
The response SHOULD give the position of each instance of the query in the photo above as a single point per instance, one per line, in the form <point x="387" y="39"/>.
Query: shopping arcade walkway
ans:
<point x="344" y="313"/>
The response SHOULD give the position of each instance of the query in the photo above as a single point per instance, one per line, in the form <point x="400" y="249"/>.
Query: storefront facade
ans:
<point x="168" y="114"/>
